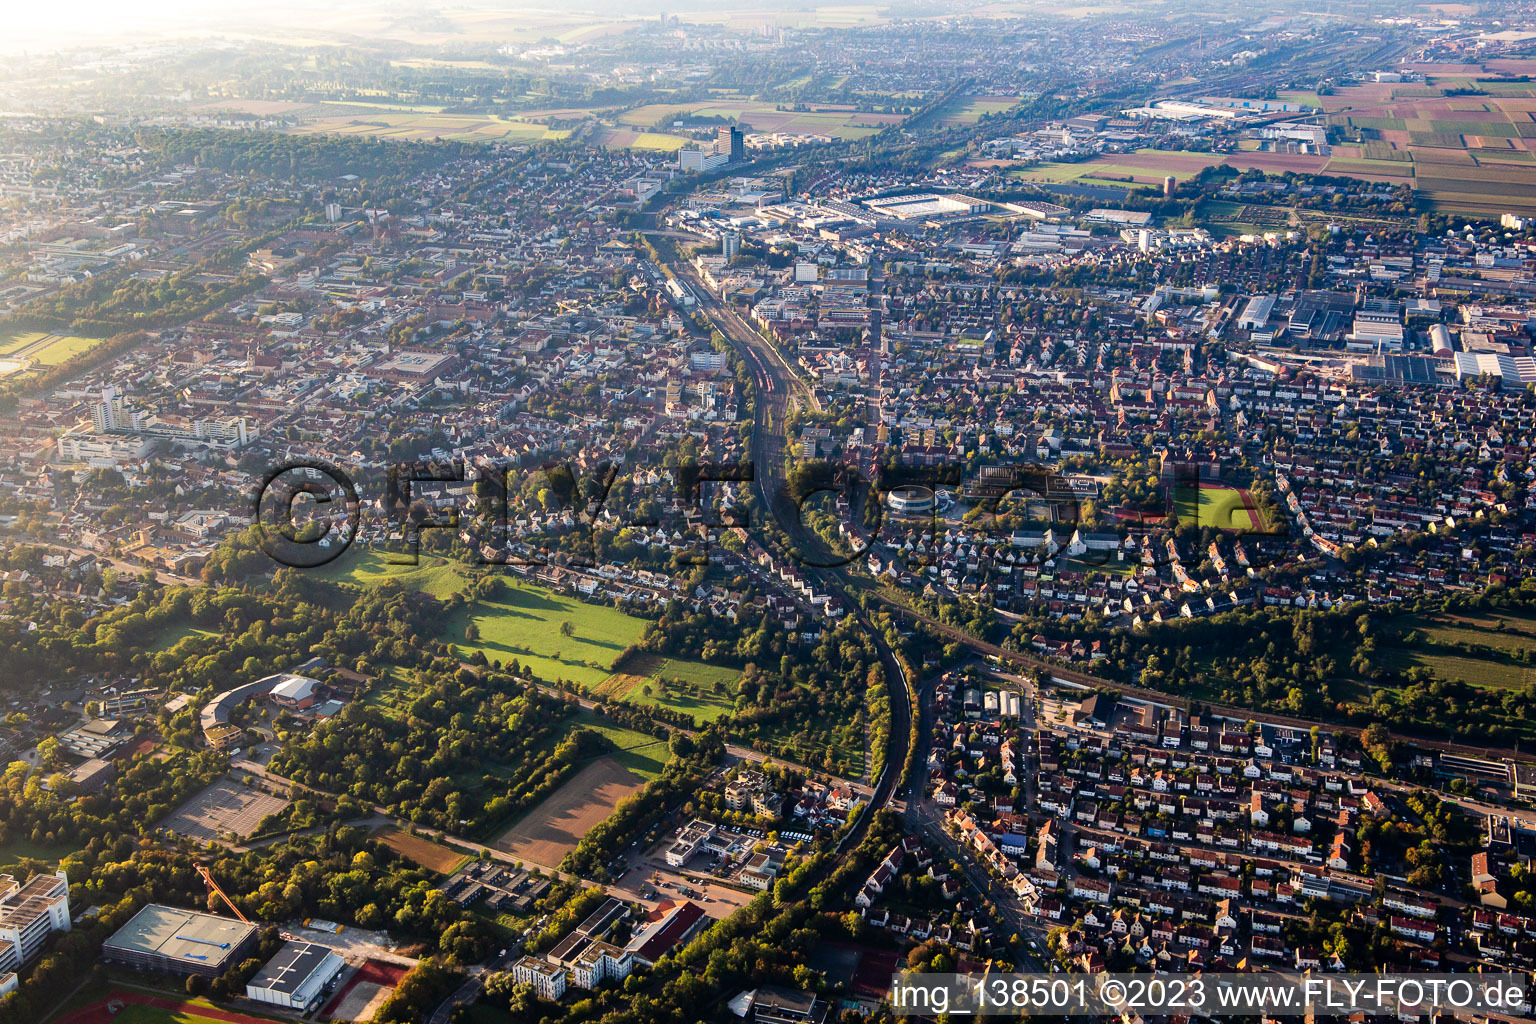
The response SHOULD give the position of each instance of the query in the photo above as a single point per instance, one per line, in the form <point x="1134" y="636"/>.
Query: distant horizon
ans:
<point x="92" y="24"/>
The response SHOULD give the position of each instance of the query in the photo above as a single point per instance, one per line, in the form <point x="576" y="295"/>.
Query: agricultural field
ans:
<point x="523" y="622"/>
<point x="430" y="855"/>
<point x="552" y="829"/>
<point x="1098" y="171"/>
<point x="694" y="688"/>
<point x="413" y="126"/>
<point x="1491" y="649"/>
<point x="253" y="107"/>
<point x="1146" y="168"/>
<point x="839" y="121"/>
<point x="808" y="17"/>
<point x="1469" y="152"/>
<point x="631" y="138"/>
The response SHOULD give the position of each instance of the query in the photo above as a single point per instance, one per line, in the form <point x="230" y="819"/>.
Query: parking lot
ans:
<point x="224" y="808"/>
<point x="651" y="877"/>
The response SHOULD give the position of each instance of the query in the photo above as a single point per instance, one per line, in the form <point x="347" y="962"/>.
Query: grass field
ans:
<point x="1225" y="508"/>
<point x="1501" y="631"/>
<point x="690" y="686"/>
<point x="391" y="693"/>
<point x="1484" y="672"/>
<point x="1477" y="649"/>
<point x="430" y="855"/>
<point x="176" y="634"/>
<point x="524" y="622"/>
<point x="11" y="343"/>
<point x="1104" y="562"/>
<point x="436" y="576"/>
<point x="44" y="349"/>
<point x="637" y="752"/>
<point x="969" y="109"/>
<point x="17" y="849"/>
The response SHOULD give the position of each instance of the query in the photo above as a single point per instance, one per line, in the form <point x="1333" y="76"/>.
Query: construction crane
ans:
<point x="213" y="887"/>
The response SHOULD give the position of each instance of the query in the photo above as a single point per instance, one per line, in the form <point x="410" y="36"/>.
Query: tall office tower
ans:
<point x="731" y="141"/>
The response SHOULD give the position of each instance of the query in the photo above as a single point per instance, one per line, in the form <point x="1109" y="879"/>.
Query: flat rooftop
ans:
<point x="291" y="967"/>
<point x="180" y="935"/>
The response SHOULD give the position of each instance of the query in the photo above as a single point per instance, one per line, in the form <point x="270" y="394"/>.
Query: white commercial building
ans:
<point x="103" y="451"/>
<point x="1256" y="314"/>
<point x="1510" y="371"/>
<point x="701" y="159"/>
<point x="297" y="977"/>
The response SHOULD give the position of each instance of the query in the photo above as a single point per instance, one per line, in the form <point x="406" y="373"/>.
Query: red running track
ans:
<point x="97" y="1013"/>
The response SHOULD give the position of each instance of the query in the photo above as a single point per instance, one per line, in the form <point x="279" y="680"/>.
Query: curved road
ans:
<point x="776" y="383"/>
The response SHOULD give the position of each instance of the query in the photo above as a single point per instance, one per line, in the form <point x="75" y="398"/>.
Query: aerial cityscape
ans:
<point x="667" y="513"/>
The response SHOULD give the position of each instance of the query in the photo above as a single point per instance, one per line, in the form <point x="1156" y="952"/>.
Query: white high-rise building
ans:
<point x="29" y="914"/>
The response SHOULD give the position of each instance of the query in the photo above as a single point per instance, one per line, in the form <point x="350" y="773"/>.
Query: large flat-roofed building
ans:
<point x="688" y="842"/>
<point x="161" y="938"/>
<point x="413" y="364"/>
<point x="928" y="204"/>
<point x="1125" y="218"/>
<point x="1509" y="371"/>
<point x="1256" y="313"/>
<point x="29" y="914"/>
<point x="297" y="977"/>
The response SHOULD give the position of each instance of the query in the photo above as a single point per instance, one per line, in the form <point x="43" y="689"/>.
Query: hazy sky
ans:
<point x="63" y="22"/>
<point x="67" y="23"/>
<point x="37" y="25"/>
